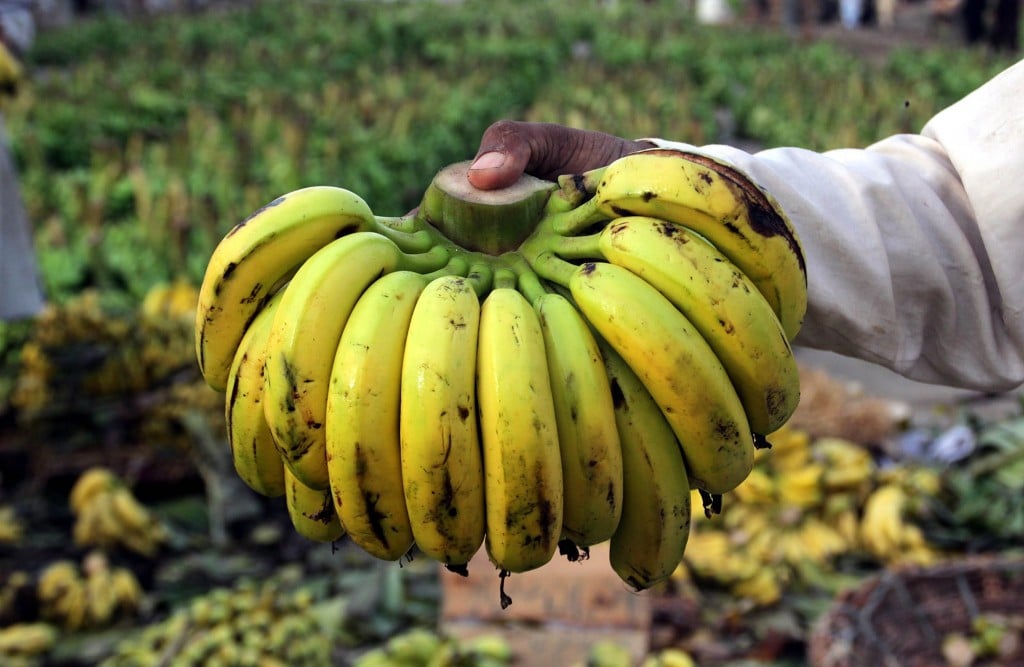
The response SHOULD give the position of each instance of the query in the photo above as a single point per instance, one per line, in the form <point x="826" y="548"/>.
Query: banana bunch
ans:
<point x="89" y="349"/>
<point x="806" y="503"/>
<point x="108" y="515"/>
<point x="888" y="530"/>
<point x="423" y="648"/>
<point x="271" y="623"/>
<point x="25" y="644"/>
<point x="91" y="596"/>
<point x="536" y="369"/>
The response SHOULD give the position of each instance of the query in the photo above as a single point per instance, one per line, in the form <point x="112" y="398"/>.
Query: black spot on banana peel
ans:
<point x="326" y="513"/>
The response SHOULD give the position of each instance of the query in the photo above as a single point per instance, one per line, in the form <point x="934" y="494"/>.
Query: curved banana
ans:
<point x="91" y="483"/>
<point x="676" y="365"/>
<point x="522" y="464"/>
<point x="311" y="511"/>
<point x="720" y="204"/>
<point x="589" y="442"/>
<point x="722" y="303"/>
<point x="655" y="525"/>
<point x="304" y="339"/>
<point x="253" y="259"/>
<point x="442" y="468"/>
<point x="364" y="462"/>
<point x="253" y="450"/>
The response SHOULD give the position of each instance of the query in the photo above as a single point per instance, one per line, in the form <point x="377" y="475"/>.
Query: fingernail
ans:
<point x="491" y="160"/>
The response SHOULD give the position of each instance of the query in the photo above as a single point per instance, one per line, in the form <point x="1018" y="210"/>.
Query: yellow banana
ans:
<point x="678" y="368"/>
<point x="649" y="542"/>
<point x="364" y="462"/>
<point x="589" y="442"/>
<point x="129" y="512"/>
<point x="304" y="338"/>
<point x="442" y="469"/>
<point x="311" y="510"/>
<point x="717" y="202"/>
<point x="253" y="259"/>
<point x="27" y="640"/>
<point x="522" y="464"/>
<point x="721" y="302"/>
<point x="253" y="450"/>
<point x="90" y="484"/>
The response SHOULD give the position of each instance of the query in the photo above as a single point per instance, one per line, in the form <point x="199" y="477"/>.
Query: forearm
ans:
<point x="914" y="245"/>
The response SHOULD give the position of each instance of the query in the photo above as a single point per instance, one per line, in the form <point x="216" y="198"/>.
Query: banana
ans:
<point x="651" y="537"/>
<point x="522" y="465"/>
<point x="27" y="640"/>
<point x="364" y="461"/>
<point x="311" y="510"/>
<point x="253" y="259"/>
<point x="253" y="449"/>
<point x="722" y="303"/>
<point x="442" y="468"/>
<point x="90" y="484"/>
<point x="589" y="442"/>
<point x="678" y="368"/>
<point x="717" y="202"/>
<point x="304" y="338"/>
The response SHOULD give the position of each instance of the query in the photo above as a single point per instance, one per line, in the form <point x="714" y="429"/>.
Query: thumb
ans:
<point x="502" y="157"/>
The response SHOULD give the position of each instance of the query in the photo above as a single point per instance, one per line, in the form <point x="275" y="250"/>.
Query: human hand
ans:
<point x="509" y="148"/>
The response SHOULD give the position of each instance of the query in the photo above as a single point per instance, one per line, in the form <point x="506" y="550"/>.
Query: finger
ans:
<point x="503" y="156"/>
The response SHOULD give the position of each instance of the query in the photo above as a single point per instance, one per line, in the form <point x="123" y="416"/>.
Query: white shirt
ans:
<point x="915" y="244"/>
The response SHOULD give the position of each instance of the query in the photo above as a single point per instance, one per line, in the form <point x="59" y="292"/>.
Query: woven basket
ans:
<point x="900" y="618"/>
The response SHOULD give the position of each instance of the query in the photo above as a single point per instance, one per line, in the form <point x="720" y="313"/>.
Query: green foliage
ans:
<point x="141" y="143"/>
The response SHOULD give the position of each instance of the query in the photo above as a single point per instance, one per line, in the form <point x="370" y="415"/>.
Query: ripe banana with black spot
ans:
<point x="677" y="366"/>
<point x="442" y="468"/>
<point x="311" y="510"/>
<point x="722" y="303"/>
<point x="655" y="525"/>
<point x="253" y="450"/>
<point x="364" y="460"/>
<point x="522" y="465"/>
<point x="256" y="256"/>
<point x="717" y="202"/>
<point x="304" y="338"/>
<point x="588" y="440"/>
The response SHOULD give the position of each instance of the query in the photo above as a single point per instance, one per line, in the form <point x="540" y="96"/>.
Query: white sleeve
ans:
<point x="915" y="244"/>
<point x="18" y="24"/>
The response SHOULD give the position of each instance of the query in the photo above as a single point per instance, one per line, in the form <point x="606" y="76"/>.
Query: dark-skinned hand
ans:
<point x="510" y="148"/>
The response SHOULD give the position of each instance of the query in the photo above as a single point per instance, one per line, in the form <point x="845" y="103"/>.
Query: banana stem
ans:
<point x="481" y="277"/>
<point x="426" y="262"/>
<point x="550" y="267"/>
<point x="577" y="247"/>
<point x="405" y="223"/>
<point x="409" y="240"/>
<point x="527" y="279"/>
<point x="505" y="278"/>
<point x="489" y="221"/>
<point x="577" y="219"/>
<point x="531" y="286"/>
